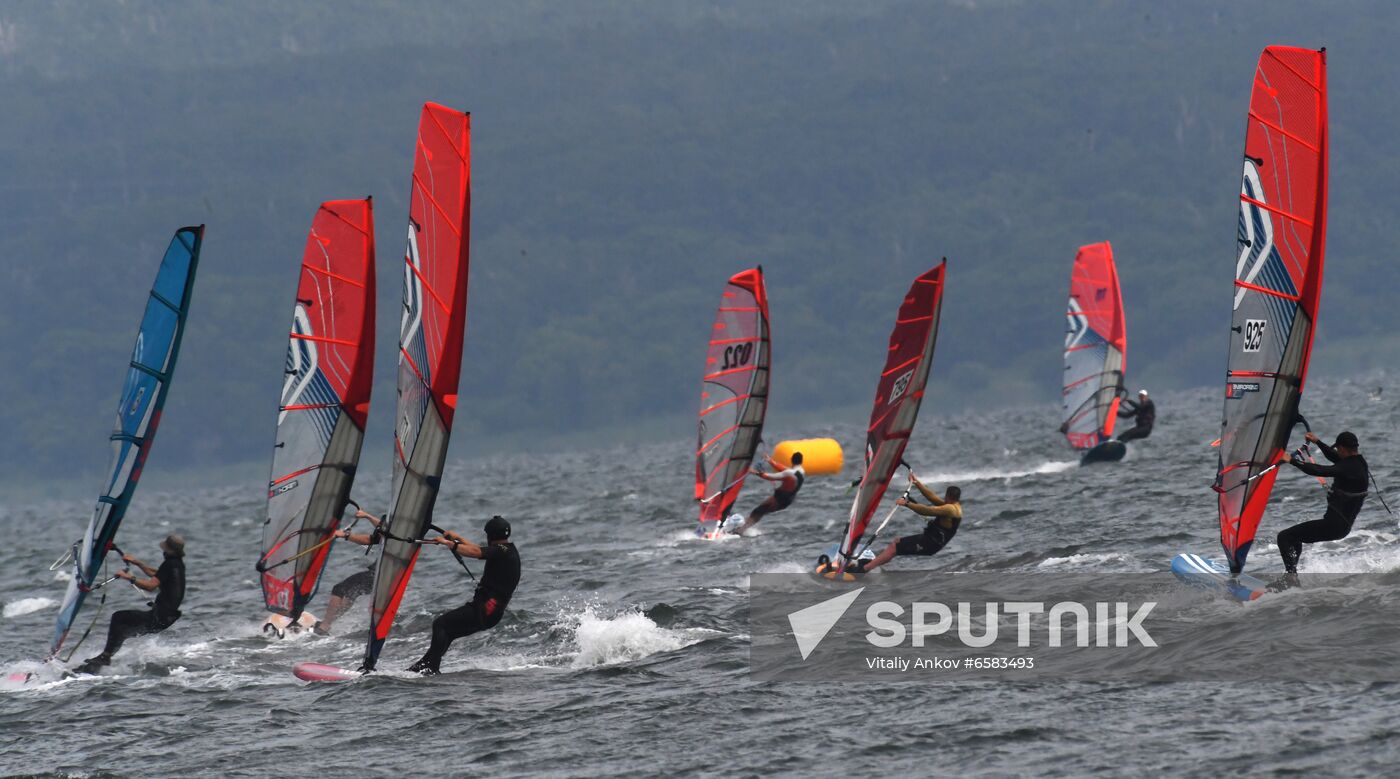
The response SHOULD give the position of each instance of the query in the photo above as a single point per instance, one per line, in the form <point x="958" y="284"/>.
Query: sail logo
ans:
<point x="1236" y="390"/>
<point x="288" y="487"/>
<point x="1256" y="234"/>
<point x="1254" y="334"/>
<point x="136" y="401"/>
<point x="930" y="619"/>
<point x="900" y="386"/>
<point x="410" y="324"/>
<point x="1102" y="624"/>
<point x="812" y="624"/>
<point x="302" y="359"/>
<point x="1077" y="324"/>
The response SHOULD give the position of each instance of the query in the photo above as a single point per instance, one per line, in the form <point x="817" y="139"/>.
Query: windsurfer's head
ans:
<point x="497" y="529"/>
<point x="173" y="545"/>
<point x="1142" y="393"/>
<point x="952" y="494"/>
<point x="796" y="458"/>
<point x="1347" y="443"/>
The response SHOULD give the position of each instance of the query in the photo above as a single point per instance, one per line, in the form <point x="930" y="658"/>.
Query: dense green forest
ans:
<point x="628" y="157"/>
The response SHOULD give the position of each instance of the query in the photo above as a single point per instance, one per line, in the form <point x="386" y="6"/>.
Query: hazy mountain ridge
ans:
<point x="623" y="170"/>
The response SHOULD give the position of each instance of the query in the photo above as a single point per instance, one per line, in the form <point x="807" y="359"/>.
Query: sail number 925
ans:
<point x="1254" y="334"/>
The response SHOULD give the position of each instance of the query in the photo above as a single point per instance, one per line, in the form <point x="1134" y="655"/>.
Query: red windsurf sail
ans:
<point x="897" y="398"/>
<point x="1096" y="348"/>
<point x="733" y="397"/>
<point x="1278" y="279"/>
<point x="431" y="329"/>
<point x="324" y="405"/>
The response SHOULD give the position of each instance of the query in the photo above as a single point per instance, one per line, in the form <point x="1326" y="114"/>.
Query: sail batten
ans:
<point x="1277" y="284"/>
<point x="733" y="396"/>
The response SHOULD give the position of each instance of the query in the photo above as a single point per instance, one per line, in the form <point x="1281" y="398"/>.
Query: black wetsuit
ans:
<point x="354" y="585"/>
<point x="357" y="584"/>
<point x="937" y="533"/>
<point x="1351" y="480"/>
<point x="165" y="609"/>
<point x="781" y="498"/>
<point x="1146" y="413"/>
<point x="493" y="592"/>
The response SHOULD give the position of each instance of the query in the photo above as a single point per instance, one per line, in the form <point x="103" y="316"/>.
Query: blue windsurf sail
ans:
<point x="138" y="416"/>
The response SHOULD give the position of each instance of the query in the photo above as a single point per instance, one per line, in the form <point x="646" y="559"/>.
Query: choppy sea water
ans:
<point x="625" y="650"/>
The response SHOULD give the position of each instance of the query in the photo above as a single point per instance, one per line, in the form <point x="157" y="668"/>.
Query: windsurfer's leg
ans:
<point x="883" y="557"/>
<point x="124" y="625"/>
<point x="343" y="596"/>
<point x="455" y="624"/>
<point x="762" y="510"/>
<point x="1332" y="527"/>
<point x="1133" y="434"/>
<point x="334" y="608"/>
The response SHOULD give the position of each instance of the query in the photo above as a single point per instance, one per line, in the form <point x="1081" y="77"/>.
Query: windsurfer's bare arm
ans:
<point x="942" y="510"/>
<point x="462" y="546"/>
<point x="363" y="539"/>
<point x="149" y="585"/>
<point x="146" y="569"/>
<point x="929" y="494"/>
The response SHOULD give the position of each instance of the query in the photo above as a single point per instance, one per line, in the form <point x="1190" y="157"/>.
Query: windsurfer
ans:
<point x="1144" y="412"/>
<point x="169" y="579"/>
<point x="944" y="516"/>
<point x="493" y="591"/>
<point x="789" y="480"/>
<point x="1351" y="481"/>
<point x="344" y="593"/>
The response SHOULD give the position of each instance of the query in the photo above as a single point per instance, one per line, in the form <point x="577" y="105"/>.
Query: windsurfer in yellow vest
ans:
<point x="944" y="516"/>
<point x="789" y="482"/>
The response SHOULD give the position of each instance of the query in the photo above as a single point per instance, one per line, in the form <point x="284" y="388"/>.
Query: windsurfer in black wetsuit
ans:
<point x="493" y="591"/>
<point x="944" y="517"/>
<point x="1145" y="412"/>
<point x="347" y="590"/>
<point x="789" y="480"/>
<point x="1351" y="478"/>
<point x="169" y="579"/>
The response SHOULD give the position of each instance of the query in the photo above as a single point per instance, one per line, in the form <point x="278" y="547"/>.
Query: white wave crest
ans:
<point x="1083" y="560"/>
<point x="986" y="474"/>
<point x="18" y="608"/>
<point x="624" y="638"/>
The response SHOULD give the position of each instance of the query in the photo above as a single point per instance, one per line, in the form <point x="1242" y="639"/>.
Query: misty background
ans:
<point x="629" y="156"/>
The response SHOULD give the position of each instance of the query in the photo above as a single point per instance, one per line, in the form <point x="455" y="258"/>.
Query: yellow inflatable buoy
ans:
<point x="820" y="456"/>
